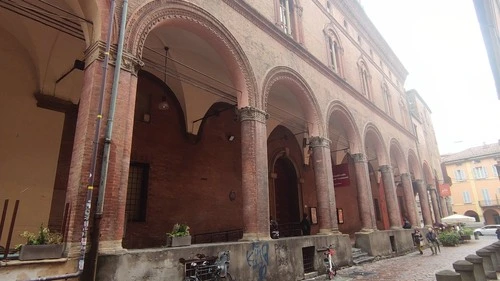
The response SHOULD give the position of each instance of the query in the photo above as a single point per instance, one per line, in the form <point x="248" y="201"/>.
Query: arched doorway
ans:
<point x="286" y="207"/>
<point x="473" y="214"/>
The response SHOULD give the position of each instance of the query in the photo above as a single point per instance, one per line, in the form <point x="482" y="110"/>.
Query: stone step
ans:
<point x="364" y="259"/>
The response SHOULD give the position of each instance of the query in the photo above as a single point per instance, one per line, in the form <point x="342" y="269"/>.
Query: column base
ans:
<point x="367" y="230"/>
<point x="105" y="247"/>
<point x="329" y="232"/>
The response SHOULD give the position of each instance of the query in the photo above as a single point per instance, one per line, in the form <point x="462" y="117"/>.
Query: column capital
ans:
<point x="385" y="168"/>
<point x="249" y="113"/>
<point x="319" y="142"/>
<point x="418" y="181"/>
<point x="406" y="175"/>
<point x="359" y="158"/>
<point x="96" y="51"/>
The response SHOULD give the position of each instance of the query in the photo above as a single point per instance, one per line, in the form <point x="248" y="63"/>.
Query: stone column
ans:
<point x="255" y="182"/>
<point x="391" y="197"/>
<point x="365" y="196"/>
<point x="444" y="208"/>
<point x="424" y="202"/>
<point x="113" y="217"/>
<point x="466" y="270"/>
<point x="477" y="261"/>
<point x="409" y="199"/>
<point x="327" y="207"/>
<point x="435" y="204"/>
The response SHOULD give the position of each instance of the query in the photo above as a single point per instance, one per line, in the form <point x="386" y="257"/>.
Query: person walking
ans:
<point x="498" y="232"/>
<point x="431" y="237"/>
<point x="419" y="240"/>
<point x="305" y="225"/>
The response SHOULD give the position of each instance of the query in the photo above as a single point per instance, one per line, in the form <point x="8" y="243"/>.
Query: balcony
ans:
<point x="490" y="203"/>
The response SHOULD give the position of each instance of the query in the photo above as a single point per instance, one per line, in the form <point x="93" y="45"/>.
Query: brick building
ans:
<point x="217" y="114"/>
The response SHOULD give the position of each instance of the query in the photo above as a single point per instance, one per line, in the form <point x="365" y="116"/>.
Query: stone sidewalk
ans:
<point x="413" y="266"/>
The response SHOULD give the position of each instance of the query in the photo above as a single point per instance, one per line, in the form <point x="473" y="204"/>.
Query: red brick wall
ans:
<point x="189" y="181"/>
<point x="347" y="199"/>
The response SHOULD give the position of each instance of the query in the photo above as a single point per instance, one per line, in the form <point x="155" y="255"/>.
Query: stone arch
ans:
<point x="427" y="173"/>
<point x="293" y="80"/>
<point x="193" y="18"/>
<point x="472" y="213"/>
<point x="373" y="134"/>
<point x="413" y="164"/>
<point x="396" y="153"/>
<point x="339" y="110"/>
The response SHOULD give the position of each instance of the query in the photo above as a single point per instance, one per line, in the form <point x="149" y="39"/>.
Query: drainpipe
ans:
<point x="95" y="147"/>
<point x="108" y="139"/>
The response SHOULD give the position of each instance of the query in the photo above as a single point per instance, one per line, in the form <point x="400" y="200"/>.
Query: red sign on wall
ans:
<point x="444" y="190"/>
<point x="341" y="175"/>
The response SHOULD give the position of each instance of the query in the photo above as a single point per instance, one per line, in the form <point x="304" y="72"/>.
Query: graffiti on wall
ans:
<point x="258" y="258"/>
<point x="281" y="252"/>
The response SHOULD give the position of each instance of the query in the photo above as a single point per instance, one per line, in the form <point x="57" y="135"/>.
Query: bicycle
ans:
<point x="331" y="267"/>
<point x="204" y="270"/>
<point x="222" y="267"/>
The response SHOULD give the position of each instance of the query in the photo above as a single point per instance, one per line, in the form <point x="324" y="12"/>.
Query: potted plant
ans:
<point x="179" y="236"/>
<point x="43" y="244"/>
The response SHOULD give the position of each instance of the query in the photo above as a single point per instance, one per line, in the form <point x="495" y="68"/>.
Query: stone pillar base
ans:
<point x="255" y="237"/>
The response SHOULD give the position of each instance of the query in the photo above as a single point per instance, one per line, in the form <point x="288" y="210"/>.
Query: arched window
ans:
<point x="404" y="113"/>
<point x="365" y="79"/>
<point x="387" y="99"/>
<point x="288" y="17"/>
<point x="334" y="49"/>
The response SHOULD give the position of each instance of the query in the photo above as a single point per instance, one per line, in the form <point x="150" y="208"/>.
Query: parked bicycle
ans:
<point x="204" y="270"/>
<point x="331" y="267"/>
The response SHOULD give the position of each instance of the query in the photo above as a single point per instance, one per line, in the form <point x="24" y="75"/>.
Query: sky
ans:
<point x="439" y="42"/>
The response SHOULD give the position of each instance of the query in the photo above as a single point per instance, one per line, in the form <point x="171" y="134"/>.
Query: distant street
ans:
<point x="413" y="266"/>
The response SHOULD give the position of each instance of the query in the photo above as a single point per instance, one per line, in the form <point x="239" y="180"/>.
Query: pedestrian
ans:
<point x="406" y="224"/>
<point x="498" y="232"/>
<point x="275" y="233"/>
<point x="419" y="240"/>
<point x="305" y="225"/>
<point x="433" y="241"/>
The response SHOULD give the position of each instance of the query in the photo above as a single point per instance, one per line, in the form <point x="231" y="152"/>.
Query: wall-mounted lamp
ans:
<point x="230" y="138"/>
<point x="163" y="105"/>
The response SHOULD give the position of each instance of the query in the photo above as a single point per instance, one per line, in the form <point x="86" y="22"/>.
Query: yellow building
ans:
<point x="476" y="185"/>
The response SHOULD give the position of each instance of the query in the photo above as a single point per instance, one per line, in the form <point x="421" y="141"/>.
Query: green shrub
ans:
<point x="467" y="231"/>
<point x="179" y="229"/>
<point x="449" y="238"/>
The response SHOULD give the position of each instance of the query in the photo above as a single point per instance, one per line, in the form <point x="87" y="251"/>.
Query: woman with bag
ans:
<point x="419" y="240"/>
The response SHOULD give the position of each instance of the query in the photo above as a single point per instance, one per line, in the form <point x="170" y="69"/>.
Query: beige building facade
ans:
<point x="475" y="183"/>
<point x="121" y="118"/>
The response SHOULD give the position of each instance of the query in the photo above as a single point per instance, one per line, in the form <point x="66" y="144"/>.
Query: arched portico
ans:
<point x="404" y="188"/>
<point x="290" y="102"/>
<point x="432" y="191"/>
<point x="383" y="187"/>
<point x="348" y="158"/>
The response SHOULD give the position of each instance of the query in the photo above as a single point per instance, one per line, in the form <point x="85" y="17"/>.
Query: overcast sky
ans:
<point x="440" y="44"/>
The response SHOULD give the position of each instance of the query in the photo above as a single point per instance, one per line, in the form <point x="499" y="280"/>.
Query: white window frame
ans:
<point x="479" y="173"/>
<point x="466" y="197"/>
<point x="486" y="196"/>
<point x="495" y="171"/>
<point x="460" y="175"/>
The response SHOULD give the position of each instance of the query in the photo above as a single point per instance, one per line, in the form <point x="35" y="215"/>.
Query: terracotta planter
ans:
<point x="178" y="241"/>
<point x="40" y="252"/>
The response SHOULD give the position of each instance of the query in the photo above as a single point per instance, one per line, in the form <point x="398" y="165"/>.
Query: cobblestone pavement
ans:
<point x="413" y="266"/>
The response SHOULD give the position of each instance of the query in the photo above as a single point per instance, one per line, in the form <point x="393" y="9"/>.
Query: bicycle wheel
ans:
<point x="331" y="274"/>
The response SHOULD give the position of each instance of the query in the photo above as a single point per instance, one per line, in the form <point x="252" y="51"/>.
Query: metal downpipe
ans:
<point x="108" y="137"/>
<point x="95" y="148"/>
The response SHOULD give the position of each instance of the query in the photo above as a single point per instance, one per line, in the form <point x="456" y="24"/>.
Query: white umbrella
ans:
<point x="456" y="218"/>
